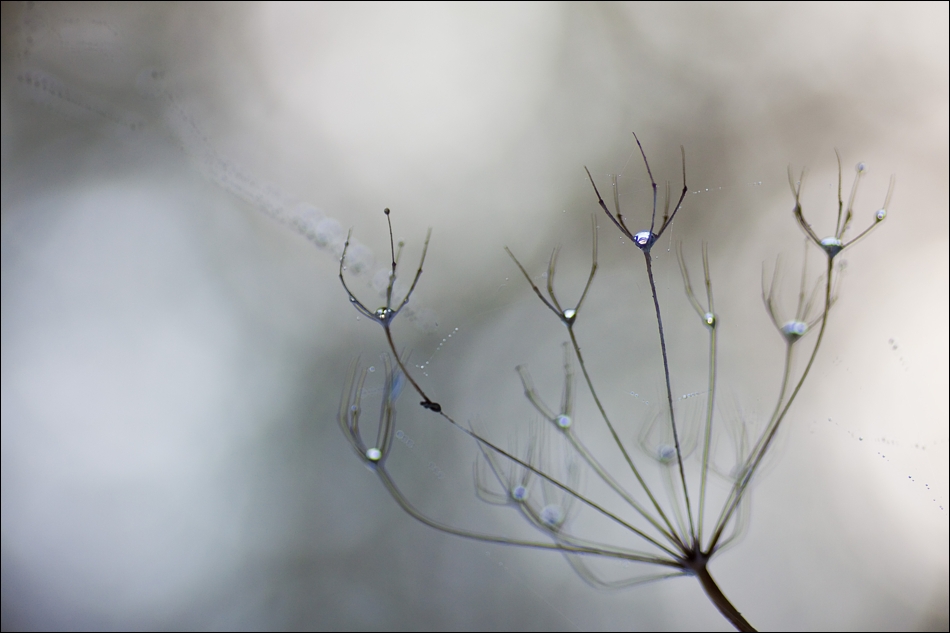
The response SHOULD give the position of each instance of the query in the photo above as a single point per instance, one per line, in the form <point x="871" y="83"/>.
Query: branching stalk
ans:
<point x="683" y="552"/>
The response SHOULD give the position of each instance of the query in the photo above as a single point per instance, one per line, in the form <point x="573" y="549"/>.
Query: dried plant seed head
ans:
<point x="794" y="330"/>
<point x="677" y="527"/>
<point x="832" y="245"/>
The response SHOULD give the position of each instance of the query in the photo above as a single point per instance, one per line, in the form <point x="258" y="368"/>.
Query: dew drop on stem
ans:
<point x="552" y="515"/>
<point x="832" y="245"/>
<point x="794" y="330"/>
<point x="644" y="239"/>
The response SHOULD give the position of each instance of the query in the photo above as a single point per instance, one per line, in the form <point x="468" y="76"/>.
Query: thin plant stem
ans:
<point x="669" y="533"/>
<point x="672" y="535"/>
<point x="437" y="408"/>
<point x="669" y="390"/>
<point x="756" y="457"/>
<point x="595" y="465"/>
<point x="404" y="503"/>
<point x="710" y="321"/>
<point x="707" y="439"/>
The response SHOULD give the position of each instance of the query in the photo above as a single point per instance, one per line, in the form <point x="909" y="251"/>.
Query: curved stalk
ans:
<point x="756" y="458"/>
<point x="411" y="510"/>
<point x="431" y="405"/>
<point x="722" y="603"/>
<point x="610" y="481"/>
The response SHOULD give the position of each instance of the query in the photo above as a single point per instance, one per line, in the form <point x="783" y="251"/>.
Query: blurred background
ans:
<point x="177" y="180"/>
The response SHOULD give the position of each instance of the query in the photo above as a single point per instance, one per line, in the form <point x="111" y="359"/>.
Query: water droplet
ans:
<point x="354" y="408"/>
<point x="399" y="435"/>
<point x="880" y="215"/>
<point x="794" y="330"/>
<point x="383" y="313"/>
<point x="665" y="453"/>
<point x="832" y="245"/>
<point x="519" y="493"/>
<point x="569" y="314"/>
<point x="372" y="369"/>
<point x="860" y="168"/>
<point x="374" y="454"/>
<point x="563" y="421"/>
<point x="710" y="319"/>
<point x="644" y="239"/>
<point x="552" y="515"/>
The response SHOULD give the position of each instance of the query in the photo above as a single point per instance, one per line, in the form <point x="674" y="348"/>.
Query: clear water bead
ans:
<point x="382" y="313"/>
<point x="860" y="168"/>
<point x="519" y="493"/>
<point x="552" y="515"/>
<point x="832" y="245"/>
<point x="665" y="453"/>
<point x="710" y="319"/>
<point x="644" y="239"/>
<point x="563" y="421"/>
<point x="794" y="330"/>
<point x="374" y="454"/>
<point x="570" y="314"/>
<point x="880" y="215"/>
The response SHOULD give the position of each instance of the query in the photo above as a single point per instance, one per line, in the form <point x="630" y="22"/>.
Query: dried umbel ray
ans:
<point x="678" y="536"/>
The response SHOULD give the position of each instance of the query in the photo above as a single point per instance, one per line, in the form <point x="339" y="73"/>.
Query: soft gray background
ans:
<point x="172" y="358"/>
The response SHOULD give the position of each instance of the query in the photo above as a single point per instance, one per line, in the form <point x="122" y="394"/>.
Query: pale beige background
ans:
<point x="172" y="358"/>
